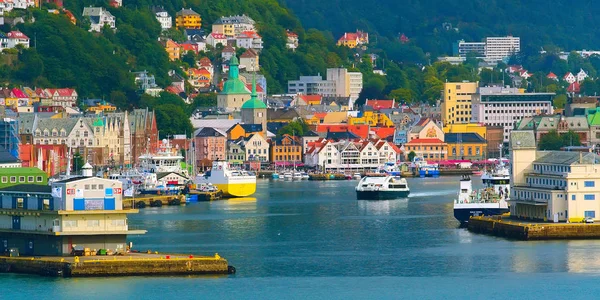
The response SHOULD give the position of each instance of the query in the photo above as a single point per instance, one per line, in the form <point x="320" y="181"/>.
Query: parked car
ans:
<point x="588" y="220"/>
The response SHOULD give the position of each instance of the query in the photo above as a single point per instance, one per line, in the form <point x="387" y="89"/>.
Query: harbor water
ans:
<point x="314" y="240"/>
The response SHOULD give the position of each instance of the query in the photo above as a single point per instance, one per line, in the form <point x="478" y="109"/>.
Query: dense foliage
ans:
<point x="435" y="24"/>
<point x="554" y="141"/>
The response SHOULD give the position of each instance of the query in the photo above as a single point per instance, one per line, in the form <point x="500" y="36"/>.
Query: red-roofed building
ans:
<point x="16" y="38"/>
<point x="304" y="100"/>
<point x="361" y="131"/>
<point x="574" y="88"/>
<point x="22" y="98"/>
<point x="259" y="90"/>
<point x="430" y="149"/>
<point x="188" y="46"/>
<point x="214" y="39"/>
<point x="524" y="74"/>
<point x="249" y="60"/>
<point x="63" y="97"/>
<point x="380" y="104"/>
<point x="384" y="132"/>
<point x="173" y="90"/>
<point x="354" y="39"/>
<point x="249" y="40"/>
<point x="552" y="76"/>
<point x="71" y="16"/>
<point x="115" y="3"/>
<point x="514" y="69"/>
<point x="404" y="39"/>
<point x="292" y="40"/>
<point x="199" y="78"/>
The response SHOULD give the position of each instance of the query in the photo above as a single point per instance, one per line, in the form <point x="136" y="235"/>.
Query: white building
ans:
<point x="51" y="220"/>
<point x="249" y="40"/>
<point x="6" y="6"/>
<point x="499" y="48"/>
<point x="99" y="17"/>
<point x="257" y="148"/>
<point x="233" y="25"/>
<point x="312" y="85"/>
<point x="570" y="78"/>
<point x="357" y="155"/>
<point x="503" y="107"/>
<point x="163" y="17"/>
<point x="552" y="185"/>
<point x="15" y="38"/>
<point x="214" y="38"/>
<point x="581" y="76"/>
<point x="22" y="4"/>
<point x="463" y="48"/>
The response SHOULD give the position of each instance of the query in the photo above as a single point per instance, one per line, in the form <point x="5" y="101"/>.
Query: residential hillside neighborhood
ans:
<point x="321" y="121"/>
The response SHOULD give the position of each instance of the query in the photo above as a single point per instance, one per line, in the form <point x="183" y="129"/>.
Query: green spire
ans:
<point x="253" y="102"/>
<point x="234" y="85"/>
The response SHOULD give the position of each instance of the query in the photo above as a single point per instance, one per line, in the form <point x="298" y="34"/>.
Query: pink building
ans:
<point x="210" y="144"/>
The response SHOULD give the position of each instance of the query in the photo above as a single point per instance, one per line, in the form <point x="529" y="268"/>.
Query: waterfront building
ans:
<point x="360" y="154"/>
<point x="256" y="147"/>
<point x="51" y="220"/>
<point x="233" y="25"/>
<point x="466" y="146"/>
<point x="187" y="18"/>
<point x="211" y="145"/>
<point x="234" y="92"/>
<point x="430" y="149"/>
<point x="499" y="106"/>
<point x="243" y="130"/>
<point x="552" y="185"/>
<point x="426" y="128"/>
<point x="542" y="125"/>
<point x="308" y="138"/>
<point x="143" y="132"/>
<point x="99" y="17"/>
<point x="236" y="154"/>
<point x="286" y="149"/>
<point x="456" y="102"/>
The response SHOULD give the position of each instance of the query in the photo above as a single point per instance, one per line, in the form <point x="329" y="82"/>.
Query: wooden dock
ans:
<point x="131" y="264"/>
<point x="143" y="201"/>
<point x="525" y="230"/>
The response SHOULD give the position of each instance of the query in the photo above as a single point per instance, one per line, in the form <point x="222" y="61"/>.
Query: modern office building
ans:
<point x="462" y="48"/>
<point x="499" y="106"/>
<point x="500" y="48"/>
<point x="456" y="102"/>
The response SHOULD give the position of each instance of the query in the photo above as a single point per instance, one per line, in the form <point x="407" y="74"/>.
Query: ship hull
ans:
<point x="463" y="214"/>
<point x="236" y="189"/>
<point x="381" y="195"/>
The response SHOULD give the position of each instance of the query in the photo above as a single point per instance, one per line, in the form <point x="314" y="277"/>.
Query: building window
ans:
<point x="573" y="197"/>
<point x="30" y="179"/>
<point x="4" y="179"/>
<point x="588" y="183"/>
<point x="589" y="197"/>
<point x="20" y="202"/>
<point x="93" y="223"/>
<point x="590" y="214"/>
<point x="13" y="179"/>
<point x="118" y="222"/>
<point x="70" y="223"/>
<point x="40" y="179"/>
<point x="46" y="204"/>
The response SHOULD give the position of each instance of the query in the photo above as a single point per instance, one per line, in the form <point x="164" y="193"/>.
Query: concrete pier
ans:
<point x="153" y="201"/>
<point x="522" y="230"/>
<point x="127" y="265"/>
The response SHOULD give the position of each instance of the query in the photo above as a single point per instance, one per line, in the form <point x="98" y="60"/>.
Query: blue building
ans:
<point x="9" y="136"/>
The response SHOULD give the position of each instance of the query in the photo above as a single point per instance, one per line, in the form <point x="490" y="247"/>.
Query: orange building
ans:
<point x="431" y="149"/>
<point x="287" y="148"/>
<point x="243" y="130"/>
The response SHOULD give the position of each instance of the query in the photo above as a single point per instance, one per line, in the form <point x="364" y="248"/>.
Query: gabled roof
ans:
<point x="250" y="53"/>
<point x="574" y="88"/>
<point x="205" y="62"/>
<point x="285" y="114"/>
<point x="209" y="132"/>
<point x="228" y="49"/>
<point x="16" y="35"/>
<point x="380" y="104"/>
<point x="249" y="35"/>
<point x="218" y="36"/>
<point x="384" y="132"/>
<point x="311" y="99"/>
<point x="361" y="131"/>
<point x="551" y="75"/>
<point x="187" y="12"/>
<point x="345" y="135"/>
<point x="568" y="74"/>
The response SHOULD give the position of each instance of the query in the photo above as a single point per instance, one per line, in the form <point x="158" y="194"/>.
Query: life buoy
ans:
<point x="220" y="167"/>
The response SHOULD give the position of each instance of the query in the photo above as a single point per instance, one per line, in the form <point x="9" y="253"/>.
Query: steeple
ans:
<point x="254" y="94"/>
<point x="234" y="67"/>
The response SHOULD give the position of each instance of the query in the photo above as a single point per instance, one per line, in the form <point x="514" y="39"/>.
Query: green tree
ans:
<point x="560" y="101"/>
<point x="411" y="155"/>
<point x="204" y="100"/>
<point x="294" y="128"/>
<point x="571" y="139"/>
<point x="78" y="161"/>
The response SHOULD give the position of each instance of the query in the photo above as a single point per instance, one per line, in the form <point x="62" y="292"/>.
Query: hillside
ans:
<point x="539" y="23"/>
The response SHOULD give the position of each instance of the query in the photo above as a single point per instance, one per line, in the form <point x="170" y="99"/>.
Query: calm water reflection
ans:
<point x="315" y="238"/>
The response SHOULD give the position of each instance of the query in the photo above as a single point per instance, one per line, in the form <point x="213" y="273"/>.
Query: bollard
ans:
<point x="76" y="259"/>
<point x="168" y="257"/>
<point x="217" y="256"/>
<point x="191" y="256"/>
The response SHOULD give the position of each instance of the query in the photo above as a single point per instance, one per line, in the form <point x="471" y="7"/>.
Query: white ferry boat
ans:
<point x="233" y="183"/>
<point x="382" y="188"/>
<point x="166" y="160"/>
<point x="484" y="202"/>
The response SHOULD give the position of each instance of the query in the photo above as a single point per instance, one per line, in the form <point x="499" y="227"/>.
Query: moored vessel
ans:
<point x="483" y="202"/>
<point x="233" y="183"/>
<point x="382" y="188"/>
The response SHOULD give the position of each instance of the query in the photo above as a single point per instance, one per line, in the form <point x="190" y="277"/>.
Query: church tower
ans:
<point x="234" y="92"/>
<point x="254" y="111"/>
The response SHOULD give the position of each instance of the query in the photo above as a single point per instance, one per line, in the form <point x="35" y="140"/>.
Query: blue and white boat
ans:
<point x="485" y="202"/>
<point x="426" y="169"/>
<point x="382" y="188"/>
<point x="275" y="175"/>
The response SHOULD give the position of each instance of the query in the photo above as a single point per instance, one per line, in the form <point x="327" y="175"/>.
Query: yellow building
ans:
<point x="467" y="128"/>
<point x="173" y="50"/>
<point x="456" y="102"/>
<point x="552" y="185"/>
<point x="187" y="18"/>
<point x="102" y="107"/>
<point x="466" y="146"/>
<point x="372" y="119"/>
<point x="225" y="29"/>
